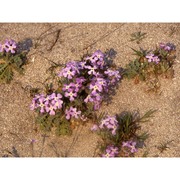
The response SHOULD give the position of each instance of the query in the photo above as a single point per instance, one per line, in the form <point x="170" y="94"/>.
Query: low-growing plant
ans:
<point x="164" y="146"/>
<point x="12" y="153"/>
<point x="149" y="65"/>
<point x="11" y="58"/>
<point x="138" y="36"/>
<point x="119" y="133"/>
<point x="82" y="87"/>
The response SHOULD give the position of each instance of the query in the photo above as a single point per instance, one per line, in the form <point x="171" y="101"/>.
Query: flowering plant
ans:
<point x="11" y="58"/>
<point x="120" y="133"/>
<point x="83" y="87"/>
<point x="150" y="64"/>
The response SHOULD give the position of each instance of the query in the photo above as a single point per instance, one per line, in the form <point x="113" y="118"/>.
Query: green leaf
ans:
<point x="148" y="114"/>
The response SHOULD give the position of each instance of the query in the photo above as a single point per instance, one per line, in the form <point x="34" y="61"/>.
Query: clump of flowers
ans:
<point x="129" y="147"/>
<point x="10" y="59"/>
<point x="111" y="151"/>
<point x="119" y="134"/>
<point x="84" y="86"/>
<point x="90" y="79"/>
<point x="49" y="103"/>
<point x="110" y="123"/>
<point x="149" y="65"/>
<point x="8" y="46"/>
<point x="167" y="47"/>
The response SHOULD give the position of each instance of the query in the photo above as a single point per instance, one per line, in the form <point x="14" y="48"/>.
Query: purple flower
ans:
<point x="91" y="59"/>
<point x="75" y="86"/>
<point x="69" y="113"/>
<point x="150" y="57"/>
<point x="67" y="72"/>
<point x="55" y="100"/>
<point x="50" y="108"/>
<point x="131" y="145"/>
<point x="96" y="105"/>
<point x="98" y="59"/>
<point x="99" y="54"/>
<point x="96" y="96"/>
<point x="156" y="59"/>
<point x="10" y="46"/>
<point x="73" y="65"/>
<point x="57" y="104"/>
<point x="82" y="64"/>
<point x="107" y="155"/>
<point x="55" y="96"/>
<point x="111" y="151"/>
<point x="41" y="104"/>
<point x="91" y="69"/>
<point x="94" y="127"/>
<point x="48" y="103"/>
<point x="114" y="150"/>
<point x="67" y="87"/>
<point x="88" y="99"/>
<point x="113" y="75"/>
<point x="71" y="95"/>
<point x="111" y="123"/>
<point x="80" y="80"/>
<point x="72" y="112"/>
<point x="47" y="99"/>
<point x="95" y="87"/>
<point x="167" y="46"/>
<point x="38" y="101"/>
<point x="33" y="140"/>
<point x="153" y="58"/>
<point x="76" y="113"/>
<point x="70" y="70"/>
<point x="102" y="82"/>
<point x="37" y="96"/>
<point x="126" y="144"/>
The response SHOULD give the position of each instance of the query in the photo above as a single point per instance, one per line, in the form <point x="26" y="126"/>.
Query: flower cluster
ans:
<point x="152" y="58"/>
<point x="167" y="47"/>
<point x="131" y="145"/>
<point x="84" y="83"/>
<point x="48" y="104"/>
<point x="155" y="58"/>
<point x="111" y="151"/>
<point x="72" y="112"/>
<point x="111" y="123"/>
<point x="91" y="76"/>
<point x="8" y="46"/>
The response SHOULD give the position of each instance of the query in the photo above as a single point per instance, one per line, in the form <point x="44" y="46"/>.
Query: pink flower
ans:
<point x="71" y="95"/>
<point x="51" y="109"/>
<point x="72" y="112"/>
<point x="94" y="128"/>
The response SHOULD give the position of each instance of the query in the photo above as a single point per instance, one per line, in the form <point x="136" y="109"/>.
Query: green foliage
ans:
<point x="138" y="36"/>
<point x="142" y="70"/>
<point x="57" y="121"/>
<point x="129" y="124"/>
<point x="12" y="153"/>
<point x="9" y="63"/>
<point x="164" y="146"/>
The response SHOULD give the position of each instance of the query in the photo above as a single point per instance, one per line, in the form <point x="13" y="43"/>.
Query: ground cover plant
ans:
<point x="82" y="87"/>
<point x="120" y="133"/>
<point x="150" y="65"/>
<point x="11" y="58"/>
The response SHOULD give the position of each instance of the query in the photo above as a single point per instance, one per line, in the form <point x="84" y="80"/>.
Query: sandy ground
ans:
<point x="17" y="126"/>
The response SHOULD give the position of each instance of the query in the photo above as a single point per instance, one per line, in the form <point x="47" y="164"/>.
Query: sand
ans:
<point x="17" y="126"/>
